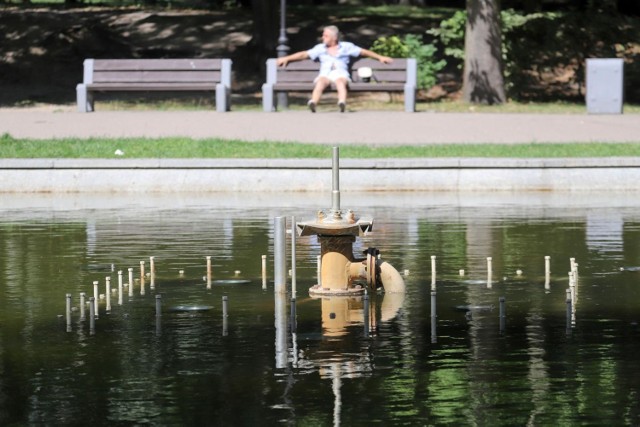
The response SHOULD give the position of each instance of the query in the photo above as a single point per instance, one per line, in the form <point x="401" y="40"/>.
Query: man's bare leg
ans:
<point x="341" y="87"/>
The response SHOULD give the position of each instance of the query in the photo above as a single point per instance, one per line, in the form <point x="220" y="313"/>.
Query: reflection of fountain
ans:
<point x="340" y="270"/>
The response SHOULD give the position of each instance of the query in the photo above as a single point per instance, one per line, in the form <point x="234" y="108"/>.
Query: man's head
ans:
<point x="330" y="35"/>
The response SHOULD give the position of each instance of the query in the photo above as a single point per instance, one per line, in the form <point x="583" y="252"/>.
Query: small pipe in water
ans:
<point x="319" y="269"/>
<point x="461" y="272"/>
<point x="502" y="314"/>
<point x="433" y="271"/>
<point x="225" y="315"/>
<point x="279" y="255"/>
<point x="119" y="287"/>
<point x="95" y="298"/>
<point x="130" y="282"/>
<point x="293" y="258"/>
<point x="293" y="315"/>
<point x="366" y="314"/>
<point x="152" y="269"/>
<point x="547" y="272"/>
<point x="82" y="304"/>
<point x="569" y="310"/>
<point x="335" y="190"/>
<point x="209" y="272"/>
<point x="433" y="305"/>
<point x="142" y="278"/>
<point x="264" y="272"/>
<point x="68" y="312"/>
<point x="158" y="305"/>
<point x="108" y="293"/>
<point x="92" y="316"/>
<point x="489" y="272"/>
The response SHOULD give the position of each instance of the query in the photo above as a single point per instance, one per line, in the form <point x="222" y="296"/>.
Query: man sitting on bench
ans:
<point x="334" y="57"/>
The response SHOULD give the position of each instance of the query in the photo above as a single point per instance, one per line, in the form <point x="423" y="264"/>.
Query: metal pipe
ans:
<point x="319" y="269"/>
<point x="433" y="305"/>
<point x="152" y="270"/>
<point x="489" y="271"/>
<point x="92" y="316"/>
<point x="158" y="305"/>
<point x="264" y="272"/>
<point x="433" y="272"/>
<point x="107" y="293"/>
<point x="82" y="307"/>
<point x="119" y="287"/>
<point x="365" y="303"/>
<point x="335" y="183"/>
<point x="225" y="315"/>
<point x="142" y="278"/>
<point x="209" y="274"/>
<point x="569" y="310"/>
<point x="95" y="298"/>
<point x="130" y="282"/>
<point x="293" y="258"/>
<point x="279" y="255"/>
<point x="68" y="311"/>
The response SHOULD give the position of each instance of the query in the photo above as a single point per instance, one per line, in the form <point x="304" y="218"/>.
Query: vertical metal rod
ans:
<point x="319" y="269"/>
<point x="502" y="314"/>
<point x="92" y="316"/>
<point x="547" y="272"/>
<point x="107" y="293"/>
<point x="433" y="305"/>
<point x="82" y="306"/>
<point x="489" y="271"/>
<point x="119" y="287"/>
<point x="68" y="311"/>
<point x="264" y="272"/>
<point x="158" y="305"/>
<point x="433" y="272"/>
<point x="335" y="187"/>
<point x="130" y="282"/>
<point x="569" y="310"/>
<point x="142" y="278"/>
<point x="209" y="272"/>
<point x="225" y="315"/>
<point x="293" y="258"/>
<point x="366" y="314"/>
<point x="293" y="316"/>
<point x="96" y="298"/>
<point x="279" y="255"/>
<point x="152" y="270"/>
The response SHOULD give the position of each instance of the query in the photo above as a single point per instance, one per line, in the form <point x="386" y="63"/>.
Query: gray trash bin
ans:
<point x="605" y="85"/>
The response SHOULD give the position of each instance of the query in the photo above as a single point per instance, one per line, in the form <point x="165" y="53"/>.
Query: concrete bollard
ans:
<point x="82" y="306"/>
<point x="92" y="316"/>
<point x="130" y="282"/>
<point x="96" y="298"/>
<point x="503" y="318"/>
<point x="68" y="312"/>
<point x="158" y="305"/>
<point x="108" y="293"/>
<point x="209" y="272"/>
<point x="264" y="272"/>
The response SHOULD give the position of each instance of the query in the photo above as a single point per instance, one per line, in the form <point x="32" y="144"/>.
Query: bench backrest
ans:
<point x="401" y="70"/>
<point x="157" y="71"/>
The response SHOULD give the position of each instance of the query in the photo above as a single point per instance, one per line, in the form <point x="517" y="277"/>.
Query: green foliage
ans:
<point x="539" y="44"/>
<point x="412" y="46"/>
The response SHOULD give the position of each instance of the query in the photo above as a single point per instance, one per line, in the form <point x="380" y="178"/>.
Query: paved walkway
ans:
<point x="363" y="127"/>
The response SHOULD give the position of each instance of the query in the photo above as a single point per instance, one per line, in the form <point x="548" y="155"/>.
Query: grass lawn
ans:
<point x="220" y="148"/>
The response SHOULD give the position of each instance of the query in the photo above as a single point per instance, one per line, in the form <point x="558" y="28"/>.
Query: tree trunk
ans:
<point x="265" y="26"/>
<point x="483" y="81"/>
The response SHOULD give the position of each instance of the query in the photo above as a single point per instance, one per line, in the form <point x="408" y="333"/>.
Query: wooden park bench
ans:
<point x="126" y="75"/>
<point x="399" y="76"/>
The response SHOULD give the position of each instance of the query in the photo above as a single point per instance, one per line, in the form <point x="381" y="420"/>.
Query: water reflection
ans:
<point x="327" y="362"/>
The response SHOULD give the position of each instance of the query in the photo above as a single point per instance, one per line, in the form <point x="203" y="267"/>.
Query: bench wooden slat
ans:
<point x="353" y="87"/>
<point x="156" y="64"/>
<point x="155" y="76"/>
<point x="124" y="87"/>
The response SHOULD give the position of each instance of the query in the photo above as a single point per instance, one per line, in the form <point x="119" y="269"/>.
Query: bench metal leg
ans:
<point x="409" y="98"/>
<point x="268" y="100"/>
<point x="223" y="98"/>
<point x="84" y="99"/>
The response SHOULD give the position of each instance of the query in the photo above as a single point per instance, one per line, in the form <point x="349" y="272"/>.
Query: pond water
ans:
<point x="332" y="367"/>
